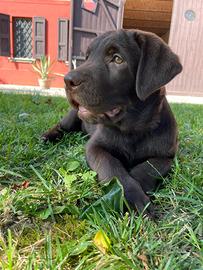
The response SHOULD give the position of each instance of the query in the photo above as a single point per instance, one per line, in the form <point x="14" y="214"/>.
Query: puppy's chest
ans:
<point x="127" y="148"/>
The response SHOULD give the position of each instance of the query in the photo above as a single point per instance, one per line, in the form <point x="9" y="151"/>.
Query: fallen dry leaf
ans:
<point x="24" y="185"/>
<point x="144" y="260"/>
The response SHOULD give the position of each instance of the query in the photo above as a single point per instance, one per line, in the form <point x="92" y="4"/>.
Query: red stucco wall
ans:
<point x="22" y="73"/>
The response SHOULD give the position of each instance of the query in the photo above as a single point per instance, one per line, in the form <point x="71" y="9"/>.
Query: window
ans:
<point x="29" y="37"/>
<point x="22" y="29"/>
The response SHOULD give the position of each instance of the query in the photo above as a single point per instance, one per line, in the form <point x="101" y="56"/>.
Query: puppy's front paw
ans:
<point x="52" y="135"/>
<point x="137" y="198"/>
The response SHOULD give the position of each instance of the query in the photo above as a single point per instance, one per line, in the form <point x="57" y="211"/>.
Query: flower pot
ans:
<point x="44" y="83"/>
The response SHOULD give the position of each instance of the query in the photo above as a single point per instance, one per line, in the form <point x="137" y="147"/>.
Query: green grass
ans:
<point x="44" y="188"/>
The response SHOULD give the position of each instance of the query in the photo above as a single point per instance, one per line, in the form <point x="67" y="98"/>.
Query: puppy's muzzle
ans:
<point x="73" y="80"/>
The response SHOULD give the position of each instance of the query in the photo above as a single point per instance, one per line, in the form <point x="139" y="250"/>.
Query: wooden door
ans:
<point x="186" y="39"/>
<point x="90" y="18"/>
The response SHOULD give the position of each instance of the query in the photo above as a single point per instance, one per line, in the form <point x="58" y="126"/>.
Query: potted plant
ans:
<point x="43" y="67"/>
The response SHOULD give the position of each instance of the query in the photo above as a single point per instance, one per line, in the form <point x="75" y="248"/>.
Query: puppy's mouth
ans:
<point x="95" y="114"/>
<point x="85" y="113"/>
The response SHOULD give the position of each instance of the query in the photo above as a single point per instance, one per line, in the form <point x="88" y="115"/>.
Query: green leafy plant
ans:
<point x="43" y="67"/>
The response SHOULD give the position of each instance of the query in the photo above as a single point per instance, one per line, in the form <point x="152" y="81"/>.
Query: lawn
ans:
<point x="45" y="189"/>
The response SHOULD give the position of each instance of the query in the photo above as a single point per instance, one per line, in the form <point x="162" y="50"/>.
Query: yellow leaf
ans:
<point x="101" y="241"/>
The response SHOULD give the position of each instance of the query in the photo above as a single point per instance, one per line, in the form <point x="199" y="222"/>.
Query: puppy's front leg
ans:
<point x="108" y="167"/>
<point x="148" y="173"/>
<point x="69" y="123"/>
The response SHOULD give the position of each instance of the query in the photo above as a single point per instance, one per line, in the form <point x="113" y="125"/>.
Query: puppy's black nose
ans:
<point x="72" y="80"/>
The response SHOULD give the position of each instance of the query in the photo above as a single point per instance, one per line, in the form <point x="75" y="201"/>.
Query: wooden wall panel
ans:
<point x="186" y="39"/>
<point x="148" y="15"/>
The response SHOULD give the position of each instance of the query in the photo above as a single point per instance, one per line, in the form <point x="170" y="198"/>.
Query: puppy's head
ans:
<point x="120" y="66"/>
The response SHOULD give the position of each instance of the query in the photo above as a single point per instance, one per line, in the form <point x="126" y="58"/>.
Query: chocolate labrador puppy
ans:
<point x="118" y="98"/>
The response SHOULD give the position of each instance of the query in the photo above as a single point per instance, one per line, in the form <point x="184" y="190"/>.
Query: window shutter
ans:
<point x="39" y="37"/>
<point x="4" y="35"/>
<point x="63" y="25"/>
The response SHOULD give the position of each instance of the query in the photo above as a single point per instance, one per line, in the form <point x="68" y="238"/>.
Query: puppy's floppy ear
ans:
<point x="157" y="64"/>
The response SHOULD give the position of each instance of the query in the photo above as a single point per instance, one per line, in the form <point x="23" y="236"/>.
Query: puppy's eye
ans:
<point x="117" y="59"/>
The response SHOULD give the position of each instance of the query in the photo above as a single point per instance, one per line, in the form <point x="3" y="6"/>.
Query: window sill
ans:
<point x="21" y="60"/>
